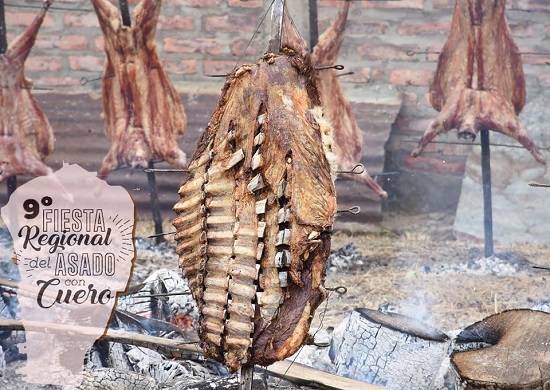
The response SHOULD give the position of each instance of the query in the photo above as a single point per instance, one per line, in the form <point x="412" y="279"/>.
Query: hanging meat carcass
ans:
<point x="479" y="82"/>
<point x="348" y="139"/>
<point x="26" y="137"/>
<point x="254" y="219"/>
<point x="144" y="116"/>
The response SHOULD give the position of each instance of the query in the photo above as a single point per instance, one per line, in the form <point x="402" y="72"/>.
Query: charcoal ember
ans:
<point x="346" y="257"/>
<point x="144" y="116"/>
<point x="255" y="212"/>
<point x="149" y="303"/>
<point x="479" y="82"/>
<point x="26" y="137"/>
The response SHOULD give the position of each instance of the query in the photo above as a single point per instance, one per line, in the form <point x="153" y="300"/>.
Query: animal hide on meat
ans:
<point x="254" y="219"/>
<point x="26" y="137"/>
<point x="348" y="139"/>
<point x="144" y="116"/>
<point x="479" y="82"/>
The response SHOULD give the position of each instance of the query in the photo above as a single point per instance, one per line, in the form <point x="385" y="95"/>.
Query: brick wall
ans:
<point x="199" y="37"/>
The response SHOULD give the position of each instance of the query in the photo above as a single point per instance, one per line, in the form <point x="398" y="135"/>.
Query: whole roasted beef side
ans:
<point x="255" y="215"/>
<point x="144" y="116"/>
<point x="26" y="137"/>
<point x="479" y="82"/>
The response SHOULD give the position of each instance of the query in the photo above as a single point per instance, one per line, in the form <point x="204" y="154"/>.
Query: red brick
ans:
<point x="544" y="80"/>
<point x="181" y="67"/>
<point x="434" y="165"/>
<point x="533" y="59"/>
<point x="362" y="27"/>
<point x="409" y="123"/>
<point x="99" y="43"/>
<point x="238" y="47"/>
<point x="202" y="3"/>
<point x="56" y="81"/>
<point x="80" y="19"/>
<point x="245" y="3"/>
<point x="360" y="75"/>
<point x="434" y="28"/>
<point x="198" y="45"/>
<point x="433" y="53"/>
<point x="410" y="77"/>
<point x="410" y="99"/>
<point x="443" y="3"/>
<point x="64" y="42"/>
<point x="89" y="63"/>
<point x="385" y="52"/>
<point x="416" y="4"/>
<point x="227" y="23"/>
<point x="522" y="29"/>
<point x="176" y="22"/>
<point x="218" y="66"/>
<point x="25" y="18"/>
<point x="457" y="149"/>
<point x="43" y="63"/>
<point x="530" y="5"/>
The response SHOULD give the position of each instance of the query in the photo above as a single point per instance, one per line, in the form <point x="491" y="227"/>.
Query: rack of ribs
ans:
<point x="144" y="116"/>
<point x="26" y="137"/>
<point x="348" y="139"/>
<point x="479" y="82"/>
<point x="256" y="211"/>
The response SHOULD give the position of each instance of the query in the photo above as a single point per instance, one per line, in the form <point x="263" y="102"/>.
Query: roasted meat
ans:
<point x="144" y="116"/>
<point x="348" y="139"/>
<point x="26" y="137"/>
<point x="254" y="219"/>
<point x="479" y="82"/>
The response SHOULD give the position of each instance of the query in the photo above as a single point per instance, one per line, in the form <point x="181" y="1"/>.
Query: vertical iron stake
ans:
<point x="125" y="13"/>
<point x="246" y="378"/>
<point x="313" y="24"/>
<point x="3" y="33"/>
<point x="487" y="196"/>
<point x="155" y="204"/>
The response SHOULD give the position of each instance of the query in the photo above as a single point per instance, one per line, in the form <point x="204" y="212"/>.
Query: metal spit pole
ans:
<point x="125" y="13"/>
<point x="487" y="195"/>
<point x="313" y="24"/>
<point x="155" y="203"/>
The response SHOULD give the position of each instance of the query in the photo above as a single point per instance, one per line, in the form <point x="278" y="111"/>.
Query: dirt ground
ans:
<point x="414" y="265"/>
<point x="410" y="264"/>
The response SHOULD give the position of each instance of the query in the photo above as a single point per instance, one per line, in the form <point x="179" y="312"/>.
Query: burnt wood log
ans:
<point x="390" y="350"/>
<point x="514" y="353"/>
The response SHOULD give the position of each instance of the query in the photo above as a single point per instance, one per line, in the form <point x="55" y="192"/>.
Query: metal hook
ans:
<point x="337" y="67"/>
<point x="352" y="210"/>
<point x="411" y="53"/>
<point x="161" y="235"/>
<point x="163" y="170"/>
<point x="345" y="74"/>
<point x="359" y="169"/>
<point x="340" y="290"/>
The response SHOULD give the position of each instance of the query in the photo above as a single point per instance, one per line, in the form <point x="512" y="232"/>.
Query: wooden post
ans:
<point x="125" y="13"/>
<point x="487" y="195"/>
<point x="155" y="204"/>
